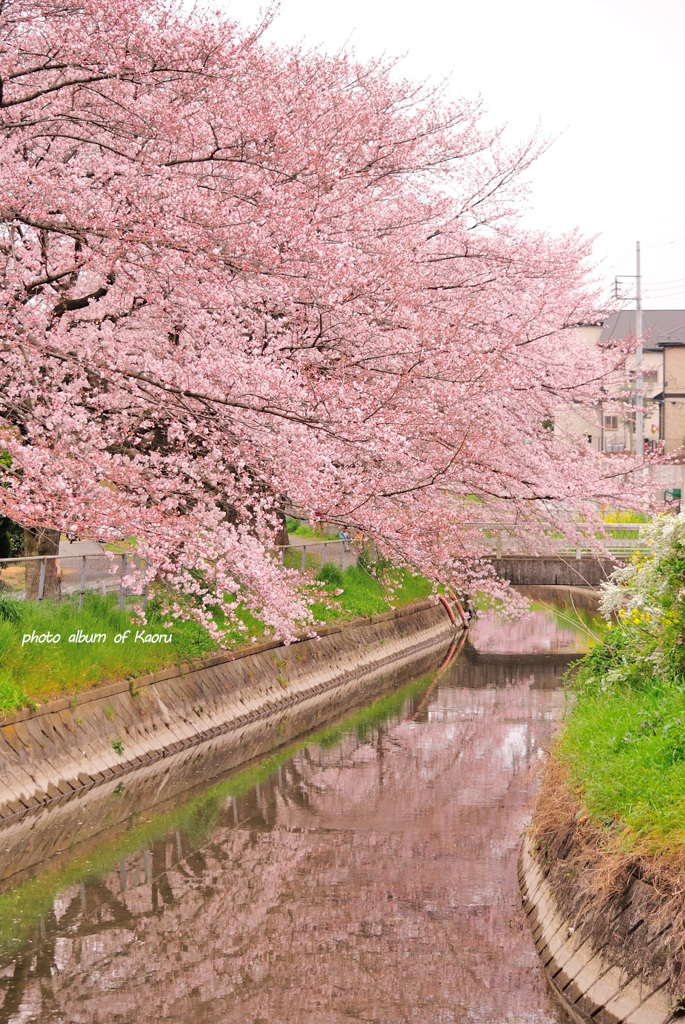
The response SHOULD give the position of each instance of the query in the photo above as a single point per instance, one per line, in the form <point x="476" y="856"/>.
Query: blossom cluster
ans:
<point x="239" y="281"/>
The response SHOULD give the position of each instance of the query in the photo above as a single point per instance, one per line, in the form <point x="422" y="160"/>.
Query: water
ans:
<point x="368" y="876"/>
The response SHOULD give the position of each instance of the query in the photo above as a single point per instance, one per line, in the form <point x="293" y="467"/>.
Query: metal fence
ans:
<point x="621" y="539"/>
<point x="54" y="577"/>
<point x="317" y="553"/>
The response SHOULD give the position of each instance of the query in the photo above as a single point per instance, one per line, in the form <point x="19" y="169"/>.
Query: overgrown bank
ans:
<point x="32" y="671"/>
<point x="623" y="745"/>
<point x="612" y="806"/>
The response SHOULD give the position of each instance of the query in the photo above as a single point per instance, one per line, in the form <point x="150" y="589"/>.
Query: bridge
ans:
<point x="568" y="565"/>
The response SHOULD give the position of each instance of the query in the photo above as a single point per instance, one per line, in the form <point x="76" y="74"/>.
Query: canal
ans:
<point x="366" y="873"/>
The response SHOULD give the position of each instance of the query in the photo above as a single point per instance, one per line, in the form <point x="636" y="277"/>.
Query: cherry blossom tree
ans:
<point x="234" y="276"/>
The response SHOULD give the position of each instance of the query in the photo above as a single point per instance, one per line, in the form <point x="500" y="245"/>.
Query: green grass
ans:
<point x="296" y="528"/>
<point x="363" y="594"/>
<point x="35" y="672"/>
<point x="21" y="907"/>
<point x="12" y="696"/>
<point x="120" y="547"/>
<point x="624" y="748"/>
<point x="301" y="530"/>
<point x="623" y="745"/>
<point x="292" y="559"/>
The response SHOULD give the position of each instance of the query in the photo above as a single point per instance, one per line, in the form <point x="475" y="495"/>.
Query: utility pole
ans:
<point x="639" y="391"/>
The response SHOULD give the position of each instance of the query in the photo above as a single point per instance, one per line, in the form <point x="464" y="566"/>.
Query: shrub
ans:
<point x="11" y="538"/>
<point x="331" y="573"/>
<point x="624" y="741"/>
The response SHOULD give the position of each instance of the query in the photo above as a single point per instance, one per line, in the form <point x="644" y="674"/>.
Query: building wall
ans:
<point x="652" y="368"/>
<point x="591" y="423"/>
<point x="674" y="408"/>
<point x="582" y="420"/>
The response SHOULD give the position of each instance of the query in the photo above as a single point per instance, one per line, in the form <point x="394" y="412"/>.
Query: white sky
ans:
<point x="605" y="78"/>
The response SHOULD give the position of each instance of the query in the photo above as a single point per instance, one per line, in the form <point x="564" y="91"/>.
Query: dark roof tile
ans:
<point x="659" y="325"/>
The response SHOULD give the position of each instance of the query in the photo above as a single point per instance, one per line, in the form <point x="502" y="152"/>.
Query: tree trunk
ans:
<point x="282" y="538"/>
<point x="42" y="541"/>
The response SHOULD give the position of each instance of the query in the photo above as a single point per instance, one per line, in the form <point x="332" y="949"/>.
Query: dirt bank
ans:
<point x="609" y="925"/>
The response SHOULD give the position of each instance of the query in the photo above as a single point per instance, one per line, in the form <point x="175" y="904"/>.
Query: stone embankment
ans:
<point x="72" y="745"/>
<point x="616" y="974"/>
<point x="556" y="571"/>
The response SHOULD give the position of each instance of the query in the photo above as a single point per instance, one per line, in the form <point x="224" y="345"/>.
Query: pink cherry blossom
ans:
<point x="235" y="276"/>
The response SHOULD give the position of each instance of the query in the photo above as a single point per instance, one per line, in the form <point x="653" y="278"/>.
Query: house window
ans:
<point x="610" y="422"/>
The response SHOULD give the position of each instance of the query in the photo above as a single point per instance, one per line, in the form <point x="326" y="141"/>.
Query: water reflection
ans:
<point x="369" y="878"/>
<point x="542" y="631"/>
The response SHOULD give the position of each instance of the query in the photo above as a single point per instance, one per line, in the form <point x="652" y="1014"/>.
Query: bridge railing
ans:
<point x="500" y="539"/>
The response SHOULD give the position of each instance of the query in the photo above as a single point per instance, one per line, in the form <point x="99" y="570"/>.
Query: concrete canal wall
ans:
<point x="50" y="836"/>
<point x="555" y="571"/>
<point x="618" y="976"/>
<point x="70" y="746"/>
<point x="573" y="599"/>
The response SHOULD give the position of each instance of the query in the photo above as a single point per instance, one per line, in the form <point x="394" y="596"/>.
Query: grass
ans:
<point x="12" y="576"/>
<point x="35" y="672"/>
<point x="292" y="559"/>
<point x="623" y="744"/>
<point x="624" y="749"/>
<point x="296" y="528"/>
<point x="12" y="696"/>
<point x="120" y="547"/>
<point x="362" y="594"/>
<point x="612" y="804"/>
<point x="21" y="907"/>
<point x="302" y="530"/>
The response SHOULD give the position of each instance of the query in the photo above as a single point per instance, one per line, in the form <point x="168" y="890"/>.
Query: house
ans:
<point x="670" y="400"/>
<point x="606" y="429"/>
<point x="618" y="433"/>
<point x="663" y="372"/>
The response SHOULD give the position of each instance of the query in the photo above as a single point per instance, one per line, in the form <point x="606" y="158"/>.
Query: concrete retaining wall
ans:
<point x="71" y="745"/>
<point x="582" y="599"/>
<point x="554" y="571"/>
<point x="49" y="837"/>
<point x="592" y="985"/>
